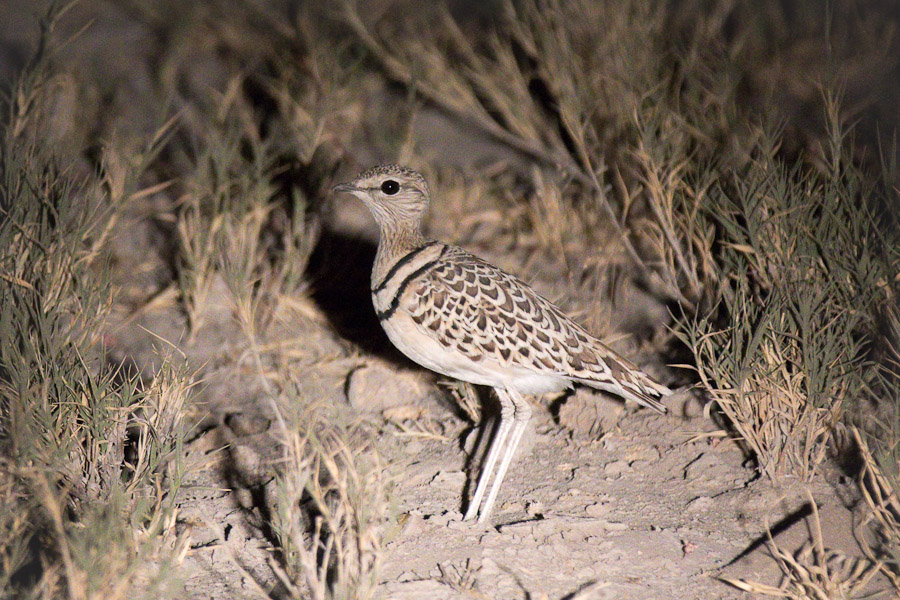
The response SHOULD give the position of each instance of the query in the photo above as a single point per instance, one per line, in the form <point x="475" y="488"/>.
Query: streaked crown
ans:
<point x="396" y="195"/>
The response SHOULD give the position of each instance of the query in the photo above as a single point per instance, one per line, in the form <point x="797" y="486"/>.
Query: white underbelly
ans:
<point x="421" y="348"/>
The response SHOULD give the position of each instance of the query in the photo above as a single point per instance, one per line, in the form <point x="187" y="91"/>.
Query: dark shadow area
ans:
<point x="782" y="525"/>
<point x="556" y="405"/>
<point x="258" y="515"/>
<point x="849" y="459"/>
<point x="486" y="430"/>
<point x="340" y="270"/>
<point x="29" y="574"/>
<point x="583" y="590"/>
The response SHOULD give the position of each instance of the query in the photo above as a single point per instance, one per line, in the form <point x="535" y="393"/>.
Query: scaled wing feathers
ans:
<point x="487" y="314"/>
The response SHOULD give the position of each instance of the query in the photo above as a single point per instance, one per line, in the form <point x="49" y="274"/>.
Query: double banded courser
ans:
<point x="455" y="314"/>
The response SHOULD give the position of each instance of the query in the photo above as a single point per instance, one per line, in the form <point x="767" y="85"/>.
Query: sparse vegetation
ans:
<point x="814" y="571"/>
<point x="91" y="454"/>
<point x="803" y="278"/>
<point x="638" y="152"/>
<point x="333" y="549"/>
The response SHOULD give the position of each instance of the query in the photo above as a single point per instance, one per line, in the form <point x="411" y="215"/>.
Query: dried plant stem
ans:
<point x="810" y="574"/>
<point x="400" y="72"/>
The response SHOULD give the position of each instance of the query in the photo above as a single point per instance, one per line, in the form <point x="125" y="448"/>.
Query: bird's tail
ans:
<point x="628" y="381"/>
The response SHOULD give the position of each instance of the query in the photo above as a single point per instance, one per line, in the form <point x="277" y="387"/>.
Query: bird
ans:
<point x="462" y="317"/>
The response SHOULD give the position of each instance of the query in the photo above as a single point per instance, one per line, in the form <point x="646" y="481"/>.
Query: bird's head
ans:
<point x="396" y="196"/>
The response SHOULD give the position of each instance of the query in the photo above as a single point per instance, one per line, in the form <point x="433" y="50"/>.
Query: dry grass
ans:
<point x="331" y="511"/>
<point x="91" y="453"/>
<point x="123" y="545"/>
<point x="879" y="484"/>
<point x="462" y="579"/>
<point x="804" y="277"/>
<point x="634" y="163"/>
<point x="814" y="572"/>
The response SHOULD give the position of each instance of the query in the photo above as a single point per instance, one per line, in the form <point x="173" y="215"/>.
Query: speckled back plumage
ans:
<point x="458" y="315"/>
<point x="488" y="314"/>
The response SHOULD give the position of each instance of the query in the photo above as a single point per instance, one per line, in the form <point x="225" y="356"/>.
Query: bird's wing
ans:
<point x="485" y="313"/>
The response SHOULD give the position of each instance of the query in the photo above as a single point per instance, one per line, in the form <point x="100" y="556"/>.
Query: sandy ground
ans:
<point x="648" y="506"/>
<point x="602" y="501"/>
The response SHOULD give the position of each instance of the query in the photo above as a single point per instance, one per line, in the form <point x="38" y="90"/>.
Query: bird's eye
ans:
<point x="390" y="187"/>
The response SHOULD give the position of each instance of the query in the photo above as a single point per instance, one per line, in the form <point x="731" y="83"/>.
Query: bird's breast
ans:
<point x="420" y="346"/>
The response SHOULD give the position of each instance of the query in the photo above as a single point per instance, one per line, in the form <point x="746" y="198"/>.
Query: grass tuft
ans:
<point x="331" y="511"/>
<point x="799" y="255"/>
<point x="90" y="454"/>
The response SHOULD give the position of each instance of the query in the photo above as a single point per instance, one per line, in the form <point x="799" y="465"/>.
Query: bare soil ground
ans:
<point x="649" y="507"/>
<point x="602" y="501"/>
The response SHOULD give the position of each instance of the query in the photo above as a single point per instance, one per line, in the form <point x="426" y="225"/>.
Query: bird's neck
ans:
<point x="394" y="243"/>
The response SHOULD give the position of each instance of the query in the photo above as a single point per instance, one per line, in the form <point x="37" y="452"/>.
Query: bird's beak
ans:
<point x="344" y="187"/>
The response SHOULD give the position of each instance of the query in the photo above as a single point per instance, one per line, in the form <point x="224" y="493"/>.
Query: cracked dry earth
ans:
<point x="601" y="501"/>
<point x="642" y="512"/>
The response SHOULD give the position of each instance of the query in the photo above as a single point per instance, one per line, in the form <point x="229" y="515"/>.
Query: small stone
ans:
<point x="245" y="459"/>
<point x="404" y="412"/>
<point x="489" y="567"/>
<point x="534" y="508"/>
<point x="642" y="453"/>
<point x="706" y="467"/>
<point x="413" y="526"/>
<point x="693" y="405"/>
<point x="413" y="448"/>
<point x="244" y="425"/>
<point x="453" y="519"/>
<point x="375" y="387"/>
<point x="452" y="479"/>
<point x="616" y="468"/>
<point x="590" y="414"/>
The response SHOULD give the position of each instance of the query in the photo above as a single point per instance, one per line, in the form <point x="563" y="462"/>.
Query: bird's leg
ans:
<point x="520" y="421"/>
<point x="507" y="414"/>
